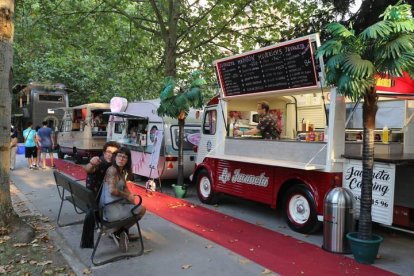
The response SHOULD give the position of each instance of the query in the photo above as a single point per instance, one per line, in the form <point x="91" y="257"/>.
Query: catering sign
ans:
<point x="383" y="183"/>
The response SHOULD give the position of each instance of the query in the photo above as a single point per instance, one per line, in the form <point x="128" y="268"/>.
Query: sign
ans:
<point x="274" y="68"/>
<point x="395" y="87"/>
<point x="383" y="183"/>
<point x="156" y="148"/>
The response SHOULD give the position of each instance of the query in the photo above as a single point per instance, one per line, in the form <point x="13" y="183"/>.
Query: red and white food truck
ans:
<point x="295" y="172"/>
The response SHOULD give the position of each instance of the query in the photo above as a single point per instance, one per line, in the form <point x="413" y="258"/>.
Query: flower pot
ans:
<point x="364" y="251"/>
<point x="180" y="191"/>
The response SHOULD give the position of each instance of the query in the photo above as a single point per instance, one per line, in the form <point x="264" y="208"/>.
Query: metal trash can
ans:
<point x="338" y="220"/>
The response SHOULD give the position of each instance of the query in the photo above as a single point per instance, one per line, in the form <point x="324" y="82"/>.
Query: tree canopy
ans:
<point x="126" y="48"/>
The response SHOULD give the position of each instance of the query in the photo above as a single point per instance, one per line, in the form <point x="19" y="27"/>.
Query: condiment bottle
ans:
<point x="385" y="135"/>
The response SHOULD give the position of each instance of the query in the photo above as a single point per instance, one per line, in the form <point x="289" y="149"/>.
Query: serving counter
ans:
<point x="285" y="152"/>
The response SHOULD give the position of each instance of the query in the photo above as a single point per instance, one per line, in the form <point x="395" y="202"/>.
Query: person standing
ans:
<point x="97" y="166"/>
<point x="38" y="147"/>
<point x="13" y="147"/>
<point x="30" y="152"/>
<point x="267" y="125"/>
<point x="47" y="144"/>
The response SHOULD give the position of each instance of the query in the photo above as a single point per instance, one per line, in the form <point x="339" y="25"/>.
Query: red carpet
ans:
<point x="277" y="252"/>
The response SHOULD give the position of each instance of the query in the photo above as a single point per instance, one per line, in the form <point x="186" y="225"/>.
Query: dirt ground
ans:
<point x="36" y="256"/>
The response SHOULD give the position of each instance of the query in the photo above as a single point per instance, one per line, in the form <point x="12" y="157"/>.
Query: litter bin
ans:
<point x="338" y="220"/>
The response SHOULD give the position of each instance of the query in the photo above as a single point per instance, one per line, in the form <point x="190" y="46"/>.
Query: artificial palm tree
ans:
<point x="176" y="102"/>
<point x="385" y="48"/>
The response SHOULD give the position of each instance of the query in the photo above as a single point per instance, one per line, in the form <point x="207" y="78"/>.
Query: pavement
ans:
<point x="172" y="250"/>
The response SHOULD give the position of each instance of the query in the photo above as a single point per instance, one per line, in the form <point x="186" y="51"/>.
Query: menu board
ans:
<point x="275" y="68"/>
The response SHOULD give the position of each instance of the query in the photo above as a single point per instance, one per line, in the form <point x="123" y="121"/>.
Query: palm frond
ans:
<point x="335" y="61"/>
<point x="357" y="67"/>
<point x="398" y="12"/>
<point x="402" y="26"/>
<point x="380" y="29"/>
<point x="332" y="76"/>
<point x="330" y="48"/>
<point x="398" y="46"/>
<point x="354" y="88"/>
<point x="338" y="30"/>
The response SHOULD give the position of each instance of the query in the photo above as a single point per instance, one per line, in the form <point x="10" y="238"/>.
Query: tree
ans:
<point x="176" y="102"/>
<point x="6" y="60"/>
<point x="385" y="48"/>
<point x="123" y="47"/>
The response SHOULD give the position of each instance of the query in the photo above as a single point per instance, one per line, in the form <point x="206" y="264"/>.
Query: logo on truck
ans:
<point x="258" y="180"/>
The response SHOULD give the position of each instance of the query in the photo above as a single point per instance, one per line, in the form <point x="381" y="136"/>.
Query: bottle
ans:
<point x="385" y="135"/>
<point x="231" y="130"/>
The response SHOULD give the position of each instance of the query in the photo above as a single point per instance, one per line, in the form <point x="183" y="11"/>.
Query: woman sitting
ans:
<point x="114" y="188"/>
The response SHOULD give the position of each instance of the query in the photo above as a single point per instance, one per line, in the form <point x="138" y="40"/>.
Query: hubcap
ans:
<point x="205" y="187"/>
<point x="299" y="209"/>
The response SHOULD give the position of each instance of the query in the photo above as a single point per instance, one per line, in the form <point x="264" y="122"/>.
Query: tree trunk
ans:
<point x="180" y="177"/>
<point x="370" y="108"/>
<point x="6" y="59"/>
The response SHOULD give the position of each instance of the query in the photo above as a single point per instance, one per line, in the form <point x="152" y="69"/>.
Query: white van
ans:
<point x="82" y="132"/>
<point x="134" y="124"/>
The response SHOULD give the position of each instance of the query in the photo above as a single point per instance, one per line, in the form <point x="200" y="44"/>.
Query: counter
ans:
<point x="277" y="152"/>
<point x="393" y="158"/>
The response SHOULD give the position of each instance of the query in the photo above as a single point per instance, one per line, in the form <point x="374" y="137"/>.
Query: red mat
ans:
<point x="277" y="252"/>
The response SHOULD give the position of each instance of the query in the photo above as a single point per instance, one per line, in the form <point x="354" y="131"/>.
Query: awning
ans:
<point x="125" y="115"/>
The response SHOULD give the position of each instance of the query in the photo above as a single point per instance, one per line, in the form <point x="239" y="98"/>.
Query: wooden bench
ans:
<point x="84" y="200"/>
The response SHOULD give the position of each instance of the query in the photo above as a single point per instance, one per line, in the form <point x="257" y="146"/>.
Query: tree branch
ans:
<point x="220" y="31"/>
<point x="161" y="22"/>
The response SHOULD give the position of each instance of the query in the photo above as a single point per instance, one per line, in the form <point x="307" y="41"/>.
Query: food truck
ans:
<point x="135" y="125"/>
<point x="311" y="157"/>
<point x="36" y="103"/>
<point x="82" y="132"/>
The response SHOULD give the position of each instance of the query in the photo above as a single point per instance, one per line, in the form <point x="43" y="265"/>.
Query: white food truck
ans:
<point x="135" y="124"/>
<point x="82" y="132"/>
<point x="296" y="171"/>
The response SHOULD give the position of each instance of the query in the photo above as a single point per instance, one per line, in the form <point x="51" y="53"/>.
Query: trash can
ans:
<point x="338" y="220"/>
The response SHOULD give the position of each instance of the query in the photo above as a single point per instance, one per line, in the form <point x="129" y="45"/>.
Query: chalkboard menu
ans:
<point x="283" y="67"/>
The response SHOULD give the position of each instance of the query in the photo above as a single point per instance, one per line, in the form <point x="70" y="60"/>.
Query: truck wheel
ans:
<point x="60" y="154"/>
<point x="300" y="210"/>
<point x="205" y="188"/>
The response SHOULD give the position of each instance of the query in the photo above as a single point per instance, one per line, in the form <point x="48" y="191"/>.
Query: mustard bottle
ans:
<point x="385" y="135"/>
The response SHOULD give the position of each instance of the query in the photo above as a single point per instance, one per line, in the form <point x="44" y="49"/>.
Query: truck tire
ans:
<point x="205" y="188"/>
<point x="300" y="210"/>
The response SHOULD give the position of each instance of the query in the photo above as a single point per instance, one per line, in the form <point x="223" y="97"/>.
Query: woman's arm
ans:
<point x="112" y="178"/>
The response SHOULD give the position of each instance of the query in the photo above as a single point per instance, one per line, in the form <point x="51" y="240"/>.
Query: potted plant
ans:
<point x="385" y="48"/>
<point x="176" y="102"/>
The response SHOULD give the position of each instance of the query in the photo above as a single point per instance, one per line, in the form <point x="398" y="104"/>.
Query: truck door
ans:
<point x="209" y="133"/>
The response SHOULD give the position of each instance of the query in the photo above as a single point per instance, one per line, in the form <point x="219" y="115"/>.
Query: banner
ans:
<point x="156" y="148"/>
<point x="383" y="183"/>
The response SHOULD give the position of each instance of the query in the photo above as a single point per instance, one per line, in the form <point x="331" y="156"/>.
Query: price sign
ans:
<point x="383" y="184"/>
<point x="285" y="67"/>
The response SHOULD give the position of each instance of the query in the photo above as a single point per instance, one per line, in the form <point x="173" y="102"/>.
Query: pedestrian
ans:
<point x="47" y="144"/>
<point x="30" y="151"/>
<point x="13" y="147"/>
<point x="97" y="166"/>
<point x="38" y="147"/>
<point x="114" y="189"/>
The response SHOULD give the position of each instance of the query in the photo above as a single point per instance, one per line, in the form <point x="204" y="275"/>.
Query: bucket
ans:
<point x="179" y="191"/>
<point x="20" y="148"/>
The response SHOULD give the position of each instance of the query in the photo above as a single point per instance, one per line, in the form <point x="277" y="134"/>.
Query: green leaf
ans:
<point x="330" y="48"/>
<point x="380" y="29"/>
<point x="338" y="30"/>
<point x="357" y="67"/>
